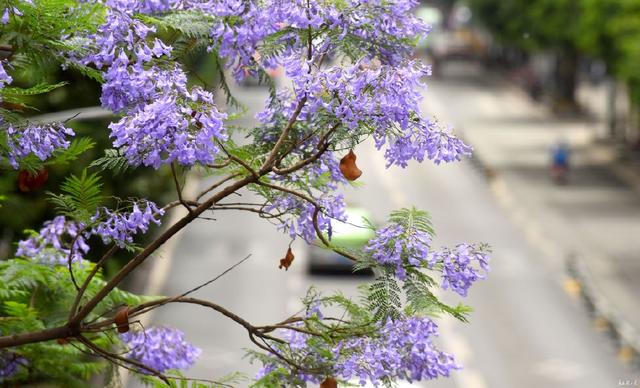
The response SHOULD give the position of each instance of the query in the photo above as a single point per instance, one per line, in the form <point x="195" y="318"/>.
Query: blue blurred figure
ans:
<point x="560" y="162"/>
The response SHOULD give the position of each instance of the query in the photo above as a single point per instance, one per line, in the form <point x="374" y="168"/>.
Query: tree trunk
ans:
<point x="612" y="112"/>
<point x="565" y="81"/>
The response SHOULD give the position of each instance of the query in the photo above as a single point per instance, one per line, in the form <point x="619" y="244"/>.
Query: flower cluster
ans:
<point x="5" y="78"/>
<point x="396" y="246"/>
<point x="9" y="364"/>
<point x="370" y="94"/>
<point x="131" y="86"/>
<point x="39" y="140"/>
<point x="122" y="32"/>
<point x="296" y="340"/>
<point x="120" y="227"/>
<point x="160" y="348"/>
<point x="8" y="11"/>
<point x="461" y="266"/>
<point x="385" y="26"/>
<point x="400" y="350"/>
<point x="299" y="220"/>
<point x="164" y="131"/>
<point x="163" y="120"/>
<point x="57" y="241"/>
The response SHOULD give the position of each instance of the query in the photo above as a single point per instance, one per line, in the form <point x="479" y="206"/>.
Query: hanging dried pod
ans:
<point x="287" y="260"/>
<point x="122" y="320"/>
<point x="329" y="382"/>
<point x="348" y="167"/>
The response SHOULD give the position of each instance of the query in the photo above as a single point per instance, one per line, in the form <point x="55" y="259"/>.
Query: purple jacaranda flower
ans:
<point x="40" y="140"/>
<point x="131" y="86"/>
<point x="53" y="243"/>
<point x="160" y="348"/>
<point x="401" y="349"/>
<point x="299" y="222"/>
<point x="5" y="79"/>
<point x="164" y="131"/>
<point x="5" y="16"/>
<point x="121" y="226"/>
<point x="398" y="247"/>
<point x="10" y="363"/>
<point x="461" y="266"/>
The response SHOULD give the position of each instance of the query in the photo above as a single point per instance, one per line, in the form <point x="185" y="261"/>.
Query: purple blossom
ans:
<point x="52" y="244"/>
<point x="120" y="32"/>
<point x="461" y="266"/>
<point x="396" y="246"/>
<point x="299" y="222"/>
<point x="40" y="140"/>
<point x="130" y="87"/>
<point x="160" y="348"/>
<point x="400" y="350"/>
<point x="9" y="364"/>
<point x="120" y="227"/>
<point x="164" y="131"/>
<point x="296" y="340"/>
<point x="386" y="26"/>
<point x="370" y="94"/>
<point x="265" y="370"/>
<point x="5" y="78"/>
<point x="12" y="10"/>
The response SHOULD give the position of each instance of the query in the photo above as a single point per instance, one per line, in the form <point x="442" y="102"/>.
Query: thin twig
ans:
<point x="89" y="277"/>
<point x="178" y="188"/>
<point x="216" y="185"/>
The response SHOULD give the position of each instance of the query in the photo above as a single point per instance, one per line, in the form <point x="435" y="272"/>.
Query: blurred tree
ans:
<point x="538" y="25"/>
<point x="610" y="30"/>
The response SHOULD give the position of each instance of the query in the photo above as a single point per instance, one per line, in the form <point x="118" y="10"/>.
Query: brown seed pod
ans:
<point x="348" y="167"/>
<point x="31" y="182"/>
<point x="122" y="319"/>
<point x="287" y="260"/>
<point x="329" y="382"/>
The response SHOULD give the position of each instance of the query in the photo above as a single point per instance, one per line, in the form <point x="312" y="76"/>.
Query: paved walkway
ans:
<point x="595" y="218"/>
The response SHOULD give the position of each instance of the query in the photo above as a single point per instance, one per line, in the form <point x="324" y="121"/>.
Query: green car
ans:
<point x="353" y="234"/>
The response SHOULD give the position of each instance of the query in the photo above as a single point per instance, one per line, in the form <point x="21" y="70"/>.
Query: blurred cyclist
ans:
<point x="560" y="162"/>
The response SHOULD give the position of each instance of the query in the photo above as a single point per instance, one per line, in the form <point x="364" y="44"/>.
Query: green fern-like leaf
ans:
<point x="66" y="155"/>
<point x="412" y="219"/>
<point x="82" y="196"/>
<point x="112" y="160"/>
<point x="9" y="92"/>
<point x="383" y="298"/>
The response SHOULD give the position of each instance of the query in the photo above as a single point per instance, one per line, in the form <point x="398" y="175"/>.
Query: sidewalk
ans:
<point x="591" y="226"/>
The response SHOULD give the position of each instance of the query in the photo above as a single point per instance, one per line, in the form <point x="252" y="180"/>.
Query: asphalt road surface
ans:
<point x="525" y="332"/>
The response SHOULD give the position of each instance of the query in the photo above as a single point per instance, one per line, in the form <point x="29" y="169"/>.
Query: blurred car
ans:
<point x="455" y="38"/>
<point x="352" y="234"/>
<point x="461" y="43"/>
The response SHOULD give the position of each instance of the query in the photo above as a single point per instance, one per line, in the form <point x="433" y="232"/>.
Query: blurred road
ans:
<point x="526" y="332"/>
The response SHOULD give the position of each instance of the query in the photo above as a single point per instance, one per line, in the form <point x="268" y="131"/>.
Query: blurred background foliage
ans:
<point x="34" y="61"/>
<point x="594" y="39"/>
<point x="21" y="210"/>
<point x="29" y="209"/>
<point x="608" y="30"/>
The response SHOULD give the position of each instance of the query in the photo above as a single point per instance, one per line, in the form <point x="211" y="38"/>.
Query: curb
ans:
<point x="605" y="315"/>
<point x="579" y="280"/>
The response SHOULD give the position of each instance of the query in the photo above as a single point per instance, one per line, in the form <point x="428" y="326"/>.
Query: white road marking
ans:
<point x="560" y="369"/>
<point x="521" y="218"/>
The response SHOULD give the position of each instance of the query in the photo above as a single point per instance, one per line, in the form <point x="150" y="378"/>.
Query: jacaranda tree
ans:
<point x="350" y="76"/>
